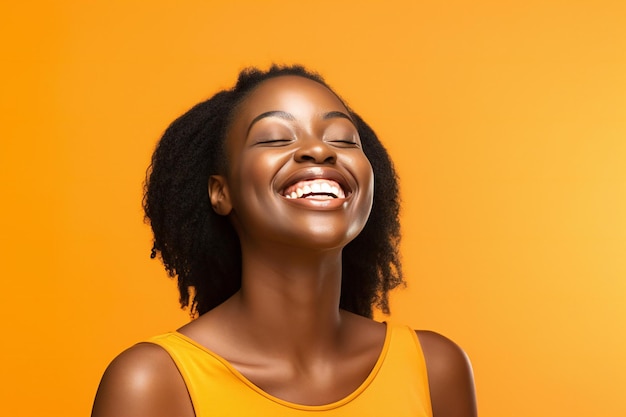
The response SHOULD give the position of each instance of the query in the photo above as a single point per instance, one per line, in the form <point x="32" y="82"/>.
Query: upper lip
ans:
<point x="315" y="173"/>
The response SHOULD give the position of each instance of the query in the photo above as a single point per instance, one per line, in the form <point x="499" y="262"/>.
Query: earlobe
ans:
<point x="218" y="194"/>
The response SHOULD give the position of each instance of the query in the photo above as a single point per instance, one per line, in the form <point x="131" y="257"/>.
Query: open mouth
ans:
<point x="318" y="189"/>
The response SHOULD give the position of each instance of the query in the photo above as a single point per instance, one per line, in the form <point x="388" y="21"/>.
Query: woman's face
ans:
<point x="297" y="174"/>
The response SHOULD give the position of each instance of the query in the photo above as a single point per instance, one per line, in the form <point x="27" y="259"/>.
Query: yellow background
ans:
<point x="506" y="120"/>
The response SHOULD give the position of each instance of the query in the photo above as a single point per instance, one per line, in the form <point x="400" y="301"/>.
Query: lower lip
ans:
<point x="312" y="203"/>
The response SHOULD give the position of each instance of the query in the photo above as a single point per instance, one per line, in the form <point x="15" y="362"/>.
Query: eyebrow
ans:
<point x="289" y="116"/>
<point x="273" y="113"/>
<point x="335" y="114"/>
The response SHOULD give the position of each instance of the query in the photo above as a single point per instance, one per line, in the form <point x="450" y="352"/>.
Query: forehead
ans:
<point x="297" y="95"/>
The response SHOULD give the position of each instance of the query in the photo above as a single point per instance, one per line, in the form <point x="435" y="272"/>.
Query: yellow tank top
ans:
<point x="396" y="387"/>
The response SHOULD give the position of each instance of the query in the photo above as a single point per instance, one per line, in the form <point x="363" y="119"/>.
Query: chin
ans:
<point x="326" y="237"/>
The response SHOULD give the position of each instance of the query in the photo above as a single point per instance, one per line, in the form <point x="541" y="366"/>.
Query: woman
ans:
<point x="276" y="207"/>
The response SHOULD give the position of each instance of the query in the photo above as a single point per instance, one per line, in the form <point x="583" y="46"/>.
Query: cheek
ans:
<point x="367" y="173"/>
<point x="261" y="166"/>
<point x="264" y="163"/>
<point x="254" y="174"/>
<point x="362" y="170"/>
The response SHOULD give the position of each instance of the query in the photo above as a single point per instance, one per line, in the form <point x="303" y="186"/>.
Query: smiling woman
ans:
<point x="276" y="207"/>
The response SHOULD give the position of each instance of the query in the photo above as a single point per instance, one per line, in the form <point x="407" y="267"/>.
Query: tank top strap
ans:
<point x="405" y="360"/>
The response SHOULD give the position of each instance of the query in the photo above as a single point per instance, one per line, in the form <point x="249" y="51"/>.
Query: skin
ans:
<point x="284" y="330"/>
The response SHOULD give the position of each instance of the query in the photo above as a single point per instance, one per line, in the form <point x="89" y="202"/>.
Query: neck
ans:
<point x="289" y="299"/>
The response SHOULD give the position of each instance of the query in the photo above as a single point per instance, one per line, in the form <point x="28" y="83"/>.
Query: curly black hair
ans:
<point x="202" y="249"/>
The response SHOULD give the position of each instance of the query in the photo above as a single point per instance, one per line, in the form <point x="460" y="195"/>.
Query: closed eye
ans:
<point x="344" y="142"/>
<point x="274" y="142"/>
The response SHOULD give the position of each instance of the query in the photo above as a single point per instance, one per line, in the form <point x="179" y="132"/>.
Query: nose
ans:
<point x="316" y="151"/>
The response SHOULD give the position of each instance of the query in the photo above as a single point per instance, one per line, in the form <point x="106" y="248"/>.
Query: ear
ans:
<point x="218" y="193"/>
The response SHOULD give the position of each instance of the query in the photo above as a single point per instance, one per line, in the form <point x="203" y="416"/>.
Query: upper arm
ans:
<point x="142" y="381"/>
<point x="450" y="377"/>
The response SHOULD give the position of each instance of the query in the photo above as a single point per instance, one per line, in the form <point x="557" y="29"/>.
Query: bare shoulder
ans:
<point x="450" y="376"/>
<point x="142" y="381"/>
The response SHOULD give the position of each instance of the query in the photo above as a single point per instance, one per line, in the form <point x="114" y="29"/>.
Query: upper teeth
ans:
<point x="321" y="188"/>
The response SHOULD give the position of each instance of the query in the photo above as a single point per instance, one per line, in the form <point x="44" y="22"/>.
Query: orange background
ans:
<point x="507" y="122"/>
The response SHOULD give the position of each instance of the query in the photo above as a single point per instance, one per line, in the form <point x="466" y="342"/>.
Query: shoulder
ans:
<point x="142" y="381"/>
<point x="450" y="376"/>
